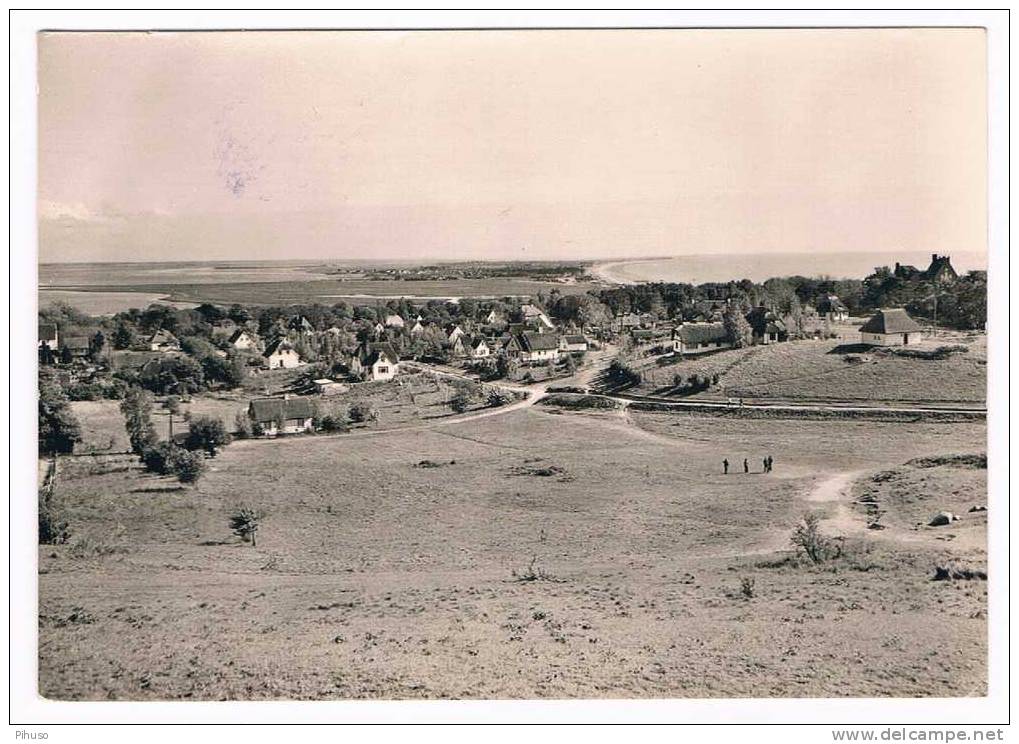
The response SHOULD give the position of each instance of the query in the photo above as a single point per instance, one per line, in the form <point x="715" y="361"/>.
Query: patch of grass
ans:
<point x="952" y="572"/>
<point x="977" y="462"/>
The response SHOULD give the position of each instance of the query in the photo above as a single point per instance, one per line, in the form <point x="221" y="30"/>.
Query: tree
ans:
<point x="505" y="365"/>
<point x="188" y="466"/>
<point x="59" y="429"/>
<point x="137" y="409"/>
<point x="123" y="336"/>
<point x="244" y="523"/>
<point x="206" y="433"/>
<point x="737" y="329"/>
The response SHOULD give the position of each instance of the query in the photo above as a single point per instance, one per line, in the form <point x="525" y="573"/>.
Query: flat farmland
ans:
<point x="526" y="554"/>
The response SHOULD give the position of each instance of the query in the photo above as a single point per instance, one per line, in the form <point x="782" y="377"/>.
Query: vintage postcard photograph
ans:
<point x="513" y="364"/>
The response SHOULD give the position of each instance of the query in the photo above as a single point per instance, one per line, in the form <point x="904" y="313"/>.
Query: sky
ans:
<point x="510" y="144"/>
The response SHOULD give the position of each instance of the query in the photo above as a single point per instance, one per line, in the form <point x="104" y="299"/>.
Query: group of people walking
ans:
<point x="768" y="462"/>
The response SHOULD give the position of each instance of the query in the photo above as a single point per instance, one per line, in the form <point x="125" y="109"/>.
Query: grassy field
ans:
<point x="416" y="398"/>
<point x="536" y="554"/>
<point x="819" y="370"/>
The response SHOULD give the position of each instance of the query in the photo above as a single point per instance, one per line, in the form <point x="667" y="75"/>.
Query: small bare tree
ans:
<point x="809" y="539"/>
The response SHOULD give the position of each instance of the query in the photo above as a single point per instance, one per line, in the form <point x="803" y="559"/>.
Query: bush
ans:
<point x="206" y="433"/>
<point x="243" y="428"/>
<point x="244" y="523"/>
<point x="188" y="466"/>
<point x="363" y="412"/>
<point x="809" y="539"/>
<point x="160" y="457"/>
<point x="498" y="398"/>
<point x="461" y="401"/>
<point x="52" y="529"/>
<point x="332" y="422"/>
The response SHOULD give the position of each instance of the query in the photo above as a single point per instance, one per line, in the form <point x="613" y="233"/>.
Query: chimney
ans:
<point x="934" y="257"/>
<point x="896" y="266"/>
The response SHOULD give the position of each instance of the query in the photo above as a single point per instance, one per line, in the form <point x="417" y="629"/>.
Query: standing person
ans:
<point x="725" y="467"/>
<point x="746" y="466"/>
<point x="771" y="463"/>
<point x="764" y="464"/>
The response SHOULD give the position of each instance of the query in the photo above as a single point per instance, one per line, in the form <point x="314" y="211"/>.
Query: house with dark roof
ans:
<point x="698" y="338"/>
<point x="941" y="270"/>
<point x="301" y="324"/>
<point x="242" y="339"/>
<point x="49" y="336"/>
<point x="274" y="416"/>
<point x="767" y="327"/>
<point x="534" y="317"/>
<point x="891" y="327"/>
<point x="77" y="346"/>
<point x="375" y="362"/>
<point x="281" y="354"/>
<point x="832" y="308"/>
<point x="479" y="348"/>
<point x="163" y="340"/>
<point x="537" y="348"/>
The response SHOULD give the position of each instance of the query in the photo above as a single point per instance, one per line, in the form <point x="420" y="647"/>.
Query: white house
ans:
<point x="326" y="386"/>
<point x="536" y="347"/>
<point x="697" y="338"/>
<point x="281" y="354"/>
<point x="480" y="348"/>
<point x="376" y="362"/>
<point x="832" y="308"/>
<point x="536" y="318"/>
<point x="242" y="339"/>
<point x="891" y="327"/>
<point x="418" y="328"/>
<point x="572" y="344"/>
<point x="453" y="332"/>
<point x="492" y="317"/>
<point x="285" y="415"/>
<point x="394" y="321"/>
<point x="163" y="340"/>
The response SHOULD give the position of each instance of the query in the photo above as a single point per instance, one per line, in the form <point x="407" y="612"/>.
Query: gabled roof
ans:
<point x="532" y="341"/>
<point x="371" y="353"/>
<point x="162" y="336"/>
<point x="238" y="334"/>
<point x="831" y="304"/>
<point x="264" y="410"/>
<point x="891" y="320"/>
<point x="575" y="339"/>
<point x="700" y="333"/>
<point x="477" y="342"/>
<point x="300" y="323"/>
<point x="278" y="345"/>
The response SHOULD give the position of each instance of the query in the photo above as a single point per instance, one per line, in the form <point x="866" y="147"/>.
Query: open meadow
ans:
<point x="532" y="553"/>
<point x="835" y="371"/>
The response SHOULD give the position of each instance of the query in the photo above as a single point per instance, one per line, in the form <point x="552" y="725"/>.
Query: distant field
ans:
<point x="375" y="577"/>
<point x="113" y="298"/>
<point x="818" y="370"/>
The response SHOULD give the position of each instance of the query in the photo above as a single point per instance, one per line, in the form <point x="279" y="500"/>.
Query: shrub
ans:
<point x="363" y="412"/>
<point x="461" y="401"/>
<point x="244" y="523"/>
<point x="333" y="422"/>
<point x="498" y="398"/>
<point x="243" y="428"/>
<point x="159" y="458"/>
<point x="137" y="409"/>
<point x="746" y="587"/>
<point x="59" y="429"/>
<point x="188" y="466"/>
<point x="206" y="433"/>
<point x="52" y="529"/>
<point x="809" y="539"/>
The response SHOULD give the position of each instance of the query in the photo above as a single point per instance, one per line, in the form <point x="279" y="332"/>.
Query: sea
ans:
<point x="697" y="269"/>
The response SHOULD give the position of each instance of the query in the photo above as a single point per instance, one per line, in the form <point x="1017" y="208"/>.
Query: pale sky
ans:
<point x="510" y="144"/>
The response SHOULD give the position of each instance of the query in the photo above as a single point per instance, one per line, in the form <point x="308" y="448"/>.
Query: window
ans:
<point x="383" y="370"/>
